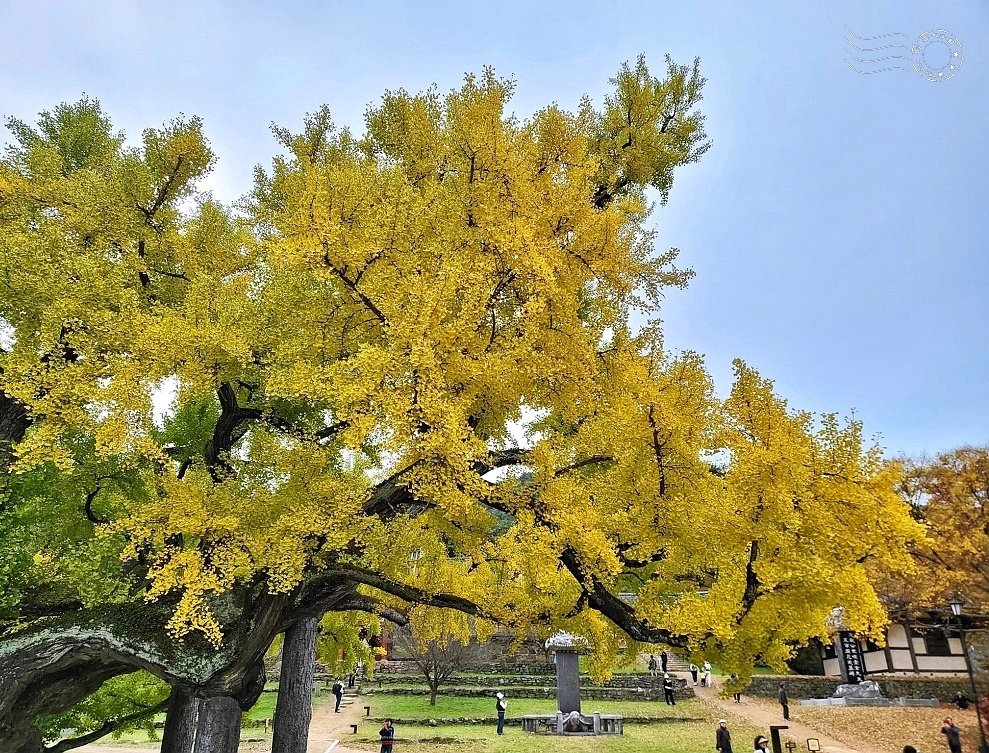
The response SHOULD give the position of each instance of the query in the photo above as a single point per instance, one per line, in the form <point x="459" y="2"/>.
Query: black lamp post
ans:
<point x="956" y="610"/>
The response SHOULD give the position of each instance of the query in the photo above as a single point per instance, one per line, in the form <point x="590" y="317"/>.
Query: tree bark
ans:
<point x="293" y="711"/>
<point x="180" y="723"/>
<point x="218" y="727"/>
<point x="25" y="740"/>
<point x="14" y="423"/>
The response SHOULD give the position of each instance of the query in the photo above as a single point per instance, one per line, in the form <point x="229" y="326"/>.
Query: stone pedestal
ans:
<point x="867" y="693"/>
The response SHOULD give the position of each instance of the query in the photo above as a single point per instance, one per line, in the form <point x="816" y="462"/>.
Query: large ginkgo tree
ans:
<point x="418" y="365"/>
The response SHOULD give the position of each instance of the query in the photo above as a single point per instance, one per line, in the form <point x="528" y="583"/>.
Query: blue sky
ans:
<point x="838" y="227"/>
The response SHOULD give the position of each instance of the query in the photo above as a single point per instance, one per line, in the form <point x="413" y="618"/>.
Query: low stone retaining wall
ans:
<point x="616" y="681"/>
<point x="797" y="686"/>
<point x="893" y="686"/>
<point x="513" y="668"/>
<point x="400" y="666"/>
<point x="589" y="693"/>
<point x="942" y="688"/>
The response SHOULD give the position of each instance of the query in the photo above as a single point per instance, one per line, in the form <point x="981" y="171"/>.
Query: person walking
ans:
<point x="722" y="737"/>
<point x="759" y="746"/>
<point x="652" y="665"/>
<point x="953" y="735"/>
<point x="735" y="694"/>
<point x="501" y="705"/>
<point x="707" y="674"/>
<point x="668" y="690"/>
<point x="387" y="735"/>
<point x="338" y="693"/>
<point x="784" y="701"/>
<point x="664" y="658"/>
<point x="693" y="673"/>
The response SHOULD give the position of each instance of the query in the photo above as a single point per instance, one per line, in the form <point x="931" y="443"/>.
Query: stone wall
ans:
<point x="797" y="686"/>
<point x="636" y="681"/>
<point x="586" y="693"/>
<point x="893" y="686"/>
<point x="513" y="668"/>
<point x="616" y="681"/>
<point x="942" y="688"/>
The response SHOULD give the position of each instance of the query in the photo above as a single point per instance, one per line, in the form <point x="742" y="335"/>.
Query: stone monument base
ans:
<point x="866" y="693"/>
<point x="928" y="702"/>
<point x="573" y="723"/>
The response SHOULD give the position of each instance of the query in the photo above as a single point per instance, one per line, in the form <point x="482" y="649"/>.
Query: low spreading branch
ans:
<point x="77" y="742"/>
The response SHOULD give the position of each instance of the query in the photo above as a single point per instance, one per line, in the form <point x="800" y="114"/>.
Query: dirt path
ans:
<point x="328" y="726"/>
<point x="762" y="713"/>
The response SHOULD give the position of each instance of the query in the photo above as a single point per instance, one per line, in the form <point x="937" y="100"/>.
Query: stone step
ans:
<point x="673" y="662"/>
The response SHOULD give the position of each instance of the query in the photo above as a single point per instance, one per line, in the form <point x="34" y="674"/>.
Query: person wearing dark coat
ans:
<point x="387" y="735"/>
<point x="338" y="694"/>
<point x="784" y="701"/>
<point x="663" y="659"/>
<point x="722" y="737"/>
<point x="953" y="734"/>
<point x="668" y="691"/>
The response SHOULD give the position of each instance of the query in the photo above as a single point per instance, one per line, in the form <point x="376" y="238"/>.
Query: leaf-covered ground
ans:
<point x="892" y="728"/>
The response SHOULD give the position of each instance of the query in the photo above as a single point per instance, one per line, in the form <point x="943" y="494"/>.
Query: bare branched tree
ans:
<point x="437" y="660"/>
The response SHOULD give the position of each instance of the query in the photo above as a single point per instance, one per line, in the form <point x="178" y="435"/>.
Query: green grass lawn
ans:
<point x="263" y="709"/>
<point x="679" y="737"/>
<point x="384" y="706"/>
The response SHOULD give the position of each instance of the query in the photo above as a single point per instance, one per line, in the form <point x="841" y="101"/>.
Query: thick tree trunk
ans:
<point x="49" y="667"/>
<point x="14" y="423"/>
<point x="218" y="728"/>
<point x="293" y="712"/>
<point x="180" y="723"/>
<point x="25" y="740"/>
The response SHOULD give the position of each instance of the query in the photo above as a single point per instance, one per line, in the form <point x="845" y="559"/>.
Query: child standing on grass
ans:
<point x="387" y="735"/>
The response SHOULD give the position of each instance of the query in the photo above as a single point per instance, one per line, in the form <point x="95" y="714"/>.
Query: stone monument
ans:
<point x="568" y="720"/>
<point x="850" y="660"/>
<point x="567" y="670"/>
